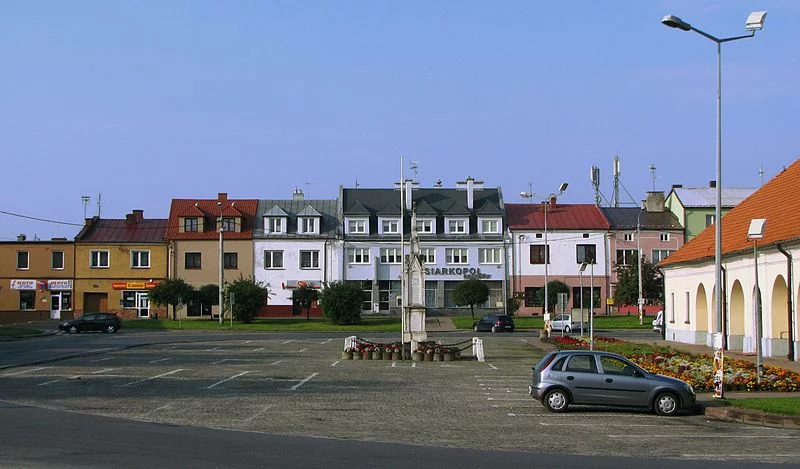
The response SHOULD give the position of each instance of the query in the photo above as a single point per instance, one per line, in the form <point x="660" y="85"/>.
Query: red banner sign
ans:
<point x="133" y="285"/>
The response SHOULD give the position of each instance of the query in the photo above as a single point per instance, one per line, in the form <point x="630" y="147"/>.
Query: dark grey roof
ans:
<point x="625" y="218"/>
<point x="442" y="202"/>
<point x="326" y="209"/>
<point x="489" y="208"/>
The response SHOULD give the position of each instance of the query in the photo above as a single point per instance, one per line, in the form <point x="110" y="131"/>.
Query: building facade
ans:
<point x="695" y="207"/>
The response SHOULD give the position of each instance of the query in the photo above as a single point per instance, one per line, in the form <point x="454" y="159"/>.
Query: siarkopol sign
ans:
<point x="467" y="272"/>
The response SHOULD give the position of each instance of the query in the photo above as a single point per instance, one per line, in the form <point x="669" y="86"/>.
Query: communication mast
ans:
<point x="594" y="176"/>
<point x="85" y="200"/>
<point x="616" y="180"/>
<point x="99" y="204"/>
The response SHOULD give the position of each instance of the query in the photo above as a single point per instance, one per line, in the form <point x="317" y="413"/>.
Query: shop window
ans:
<point x="27" y="300"/>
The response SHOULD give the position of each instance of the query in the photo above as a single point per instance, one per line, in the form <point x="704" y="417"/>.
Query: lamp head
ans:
<point x="755" y="21"/>
<point x="525" y="195"/>
<point x="756" y="230"/>
<point x="563" y="187"/>
<point x="674" y="22"/>
<point x="583" y="266"/>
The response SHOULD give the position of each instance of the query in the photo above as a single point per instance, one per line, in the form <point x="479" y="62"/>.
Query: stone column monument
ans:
<point x="414" y="311"/>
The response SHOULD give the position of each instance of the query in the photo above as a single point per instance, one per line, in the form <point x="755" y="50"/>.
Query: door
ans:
<point x="142" y="304"/>
<point x="584" y="382"/>
<point x="95" y="302"/>
<point x="623" y="383"/>
<point x="55" y="306"/>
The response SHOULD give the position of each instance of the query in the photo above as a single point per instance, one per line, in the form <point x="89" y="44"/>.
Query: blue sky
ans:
<point x="145" y="101"/>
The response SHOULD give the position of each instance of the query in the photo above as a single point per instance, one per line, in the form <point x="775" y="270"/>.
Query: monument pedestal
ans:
<point x="415" y="321"/>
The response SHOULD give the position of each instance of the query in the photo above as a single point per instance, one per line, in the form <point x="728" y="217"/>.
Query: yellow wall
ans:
<point x="209" y="255"/>
<point x="40" y="268"/>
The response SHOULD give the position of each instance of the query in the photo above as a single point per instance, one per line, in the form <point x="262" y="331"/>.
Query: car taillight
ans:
<point x="544" y="365"/>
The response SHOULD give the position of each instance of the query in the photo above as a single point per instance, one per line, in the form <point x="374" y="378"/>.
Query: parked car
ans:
<point x="586" y="377"/>
<point x="106" y="322"/>
<point x="494" y="323"/>
<point x="658" y="322"/>
<point x="566" y="323"/>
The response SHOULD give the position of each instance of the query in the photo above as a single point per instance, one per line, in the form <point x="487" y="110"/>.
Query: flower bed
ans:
<point x="425" y="351"/>
<point x="697" y="370"/>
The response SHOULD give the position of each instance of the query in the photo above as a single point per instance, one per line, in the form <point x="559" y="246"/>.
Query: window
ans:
<point x="273" y="259"/>
<point x="672" y="307"/>
<point x="582" y="363"/>
<point x="140" y="259"/>
<point x="230" y="260"/>
<point x="457" y="226"/>
<point x="390" y="256"/>
<point x="128" y="298"/>
<point x="489" y="255"/>
<point x="309" y="259"/>
<point x="537" y="254"/>
<point x="190" y="225"/>
<point x="626" y="256"/>
<point x="628" y="236"/>
<point x="586" y="253"/>
<point x="357" y="226"/>
<point x="660" y="254"/>
<point x="274" y="225"/>
<point x="306" y="225"/>
<point x="615" y="366"/>
<point x="424" y="226"/>
<point x="98" y="259"/>
<point x="710" y="219"/>
<point x="57" y="261"/>
<point x="456" y="256"/>
<point x="191" y="260"/>
<point x="427" y="255"/>
<point x="688" y="303"/>
<point x="490" y="226"/>
<point x="358" y="256"/>
<point x="23" y="260"/>
<point x="664" y="237"/>
<point x="390" y="226"/>
<point x="534" y="296"/>
<point x="228" y="224"/>
<point x="27" y="299"/>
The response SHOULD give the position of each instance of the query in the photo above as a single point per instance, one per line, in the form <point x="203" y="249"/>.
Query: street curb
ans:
<point x="752" y="417"/>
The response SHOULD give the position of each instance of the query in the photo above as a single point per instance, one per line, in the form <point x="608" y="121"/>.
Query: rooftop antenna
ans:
<point x="99" y="204"/>
<point x="413" y="165"/>
<point x="761" y="174"/>
<point x="594" y="176"/>
<point x="85" y="200"/>
<point x="616" y="180"/>
<point x="652" y="169"/>
<point x="308" y="190"/>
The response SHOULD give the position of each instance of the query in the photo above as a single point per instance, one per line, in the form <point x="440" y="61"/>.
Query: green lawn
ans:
<point x="536" y="322"/>
<point x="18" y="331"/>
<point x="368" y="324"/>
<point x="773" y="405"/>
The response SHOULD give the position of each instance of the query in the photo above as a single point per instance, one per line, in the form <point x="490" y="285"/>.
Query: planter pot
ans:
<point x="448" y="357"/>
<point x="356" y="356"/>
<point x="387" y="355"/>
<point x="347" y="355"/>
<point x="428" y="357"/>
<point x="396" y="356"/>
<point x="376" y="355"/>
<point x="437" y="357"/>
<point x="418" y="356"/>
<point x="366" y="355"/>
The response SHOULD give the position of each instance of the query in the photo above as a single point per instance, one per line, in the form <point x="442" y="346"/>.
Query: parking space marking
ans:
<point x="325" y="342"/>
<point x="258" y="349"/>
<point x="294" y="388"/>
<point x="27" y="371"/>
<point x="275" y="363"/>
<point x="247" y="341"/>
<point x="259" y="413"/>
<point x="101" y="360"/>
<point x="159" y="360"/>
<point x="302" y="350"/>
<point x="715" y="435"/>
<point x="151" y="378"/>
<point x="227" y="379"/>
<point x="337" y="362"/>
<point x="102" y="371"/>
<point x="493" y="367"/>
<point x="212" y="349"/>
<point x="46" y="383"/>
<point x="594" y="425"/>
<point x="507" y="399"/>
<point x="286" y="342"/>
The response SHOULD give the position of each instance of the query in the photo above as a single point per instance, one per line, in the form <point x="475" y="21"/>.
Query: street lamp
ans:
<point x="754" y="23"/>
<point x="221" y="261"/>
<point x="591" y="304"/>
<point x="639" y="262"/>
<point x="754" y="233"/>
<point x="583" y="267"/>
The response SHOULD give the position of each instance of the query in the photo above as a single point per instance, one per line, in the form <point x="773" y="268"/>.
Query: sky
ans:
<point x="140" y="102"/>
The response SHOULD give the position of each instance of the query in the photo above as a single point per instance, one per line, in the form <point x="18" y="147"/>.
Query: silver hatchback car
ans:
<point x="602" y="378"/>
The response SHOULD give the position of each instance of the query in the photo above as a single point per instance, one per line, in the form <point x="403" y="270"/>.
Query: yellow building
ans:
<point x="36" y="280"/>
<point x="117" y="262"/>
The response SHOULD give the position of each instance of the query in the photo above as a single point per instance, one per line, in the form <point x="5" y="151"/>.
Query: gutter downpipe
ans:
<point x="724" y="326"/>
<point x="789" y="307"/>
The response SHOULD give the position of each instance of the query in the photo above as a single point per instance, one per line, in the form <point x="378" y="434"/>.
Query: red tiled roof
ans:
<point x="559" y="217"/>
<point x="122" y="231"/>
<point x="776" y="201"/>
<point x="208" y="209"/>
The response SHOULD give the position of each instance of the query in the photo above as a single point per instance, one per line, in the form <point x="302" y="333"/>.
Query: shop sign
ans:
<point x="300" y="283"/>
<point x="23" y="284"/>
<point x="65" y="284"/>
<point x="133" y="285"/>
<point x="467" y="272"/>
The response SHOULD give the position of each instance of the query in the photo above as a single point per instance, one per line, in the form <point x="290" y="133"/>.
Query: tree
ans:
<point x="627" y="289"/>
<point x="471" y="292"/>
<point x="249" y="295"/>
<point x="512" y="305"/>
<point x="341" y="302"/>
<point x="207" y="295"/>
<point x="305" y="295"/>
<point x="171" y="291"/>
<point x="554" y="287"/>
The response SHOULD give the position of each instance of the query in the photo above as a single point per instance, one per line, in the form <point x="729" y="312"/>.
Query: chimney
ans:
<point x="21" y="237"/>
<point x="552" y="201"/>
<point x="298" y="194"/>
<point x="90" y="221"/>
<point x="222" y="196"/>
<point x="470" y="193"/>
<point x="139" y="214"/>
<point x="654" y="201"/>
<point x="409" y="194"/>
<point x="677" y="186"/>
<point x="712" y="184"/>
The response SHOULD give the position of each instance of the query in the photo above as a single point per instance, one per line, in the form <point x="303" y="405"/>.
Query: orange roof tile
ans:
<point x="776" y="201"/>
<point x="208" y="209"/>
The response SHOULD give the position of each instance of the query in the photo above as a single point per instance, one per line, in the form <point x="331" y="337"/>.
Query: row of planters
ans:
<point x="425" y="351"/>
<point x="697" y="370"/>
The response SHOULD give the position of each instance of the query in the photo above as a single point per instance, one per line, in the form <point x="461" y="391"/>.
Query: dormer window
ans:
<point x="190" y="225"/>
<point x="425" y="226"/>
<point x="274" y="225"/>
<point x="357" y="226"/>
<point x="390" y="226"/>
<point x="307" y="225"/>
<point x="228" y="224"/>
<point x="457" y="226"/>
<point x="490" y="226"/>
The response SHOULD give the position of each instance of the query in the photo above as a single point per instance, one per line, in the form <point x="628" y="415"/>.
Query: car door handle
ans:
<point x="609" y="380"/>
<point x="570" y="378"/>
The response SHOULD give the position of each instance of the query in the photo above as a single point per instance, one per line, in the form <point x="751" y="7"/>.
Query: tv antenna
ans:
<point x="85" y="200"/>
<point x="413" y="165"/>
<point x="99" y="204"/>
<point x="761" y="174"/>
<point x="652" y="169"/>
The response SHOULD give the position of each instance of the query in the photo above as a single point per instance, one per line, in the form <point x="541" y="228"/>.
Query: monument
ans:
<point x="414" y="276"/>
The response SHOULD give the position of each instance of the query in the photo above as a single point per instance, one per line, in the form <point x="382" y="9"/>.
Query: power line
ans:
<point x="40" y="219"/>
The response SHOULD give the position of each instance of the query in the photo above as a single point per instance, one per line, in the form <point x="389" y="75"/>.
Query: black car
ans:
<point x="494" y="323"/>
<point x="106" y="322"/>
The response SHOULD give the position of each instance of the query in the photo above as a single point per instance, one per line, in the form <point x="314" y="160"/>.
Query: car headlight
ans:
<point x="689" y="387"/>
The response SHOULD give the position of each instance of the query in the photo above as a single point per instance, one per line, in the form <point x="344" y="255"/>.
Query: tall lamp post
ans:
<point x="221" y="260"/>
<point x="754" y="233"/>
<point x="639" y="262"/>
<point x="583" y="267"/>
<point x="754" y="23"/>
<point x="591" y="304"/>
<point x="546" y="203"/>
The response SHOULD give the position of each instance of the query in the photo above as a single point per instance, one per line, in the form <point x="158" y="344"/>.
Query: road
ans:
<point x="270" y="389"/>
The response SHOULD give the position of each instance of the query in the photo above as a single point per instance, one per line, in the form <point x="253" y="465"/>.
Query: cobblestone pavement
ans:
<point x="302" y="386"/>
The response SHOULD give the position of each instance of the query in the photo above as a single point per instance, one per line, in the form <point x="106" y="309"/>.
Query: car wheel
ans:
<point x="73" y="329"/>
<point x="666" y="404"/>
<point x="567" y="329"/>
<point x="556" y="400"/>
<point x="475" y="328"/>
<point x="495" y="329"/>
<point x="111" y="329"/>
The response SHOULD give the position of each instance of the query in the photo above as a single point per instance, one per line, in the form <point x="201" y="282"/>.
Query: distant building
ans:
<point x="695" y="208"/>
